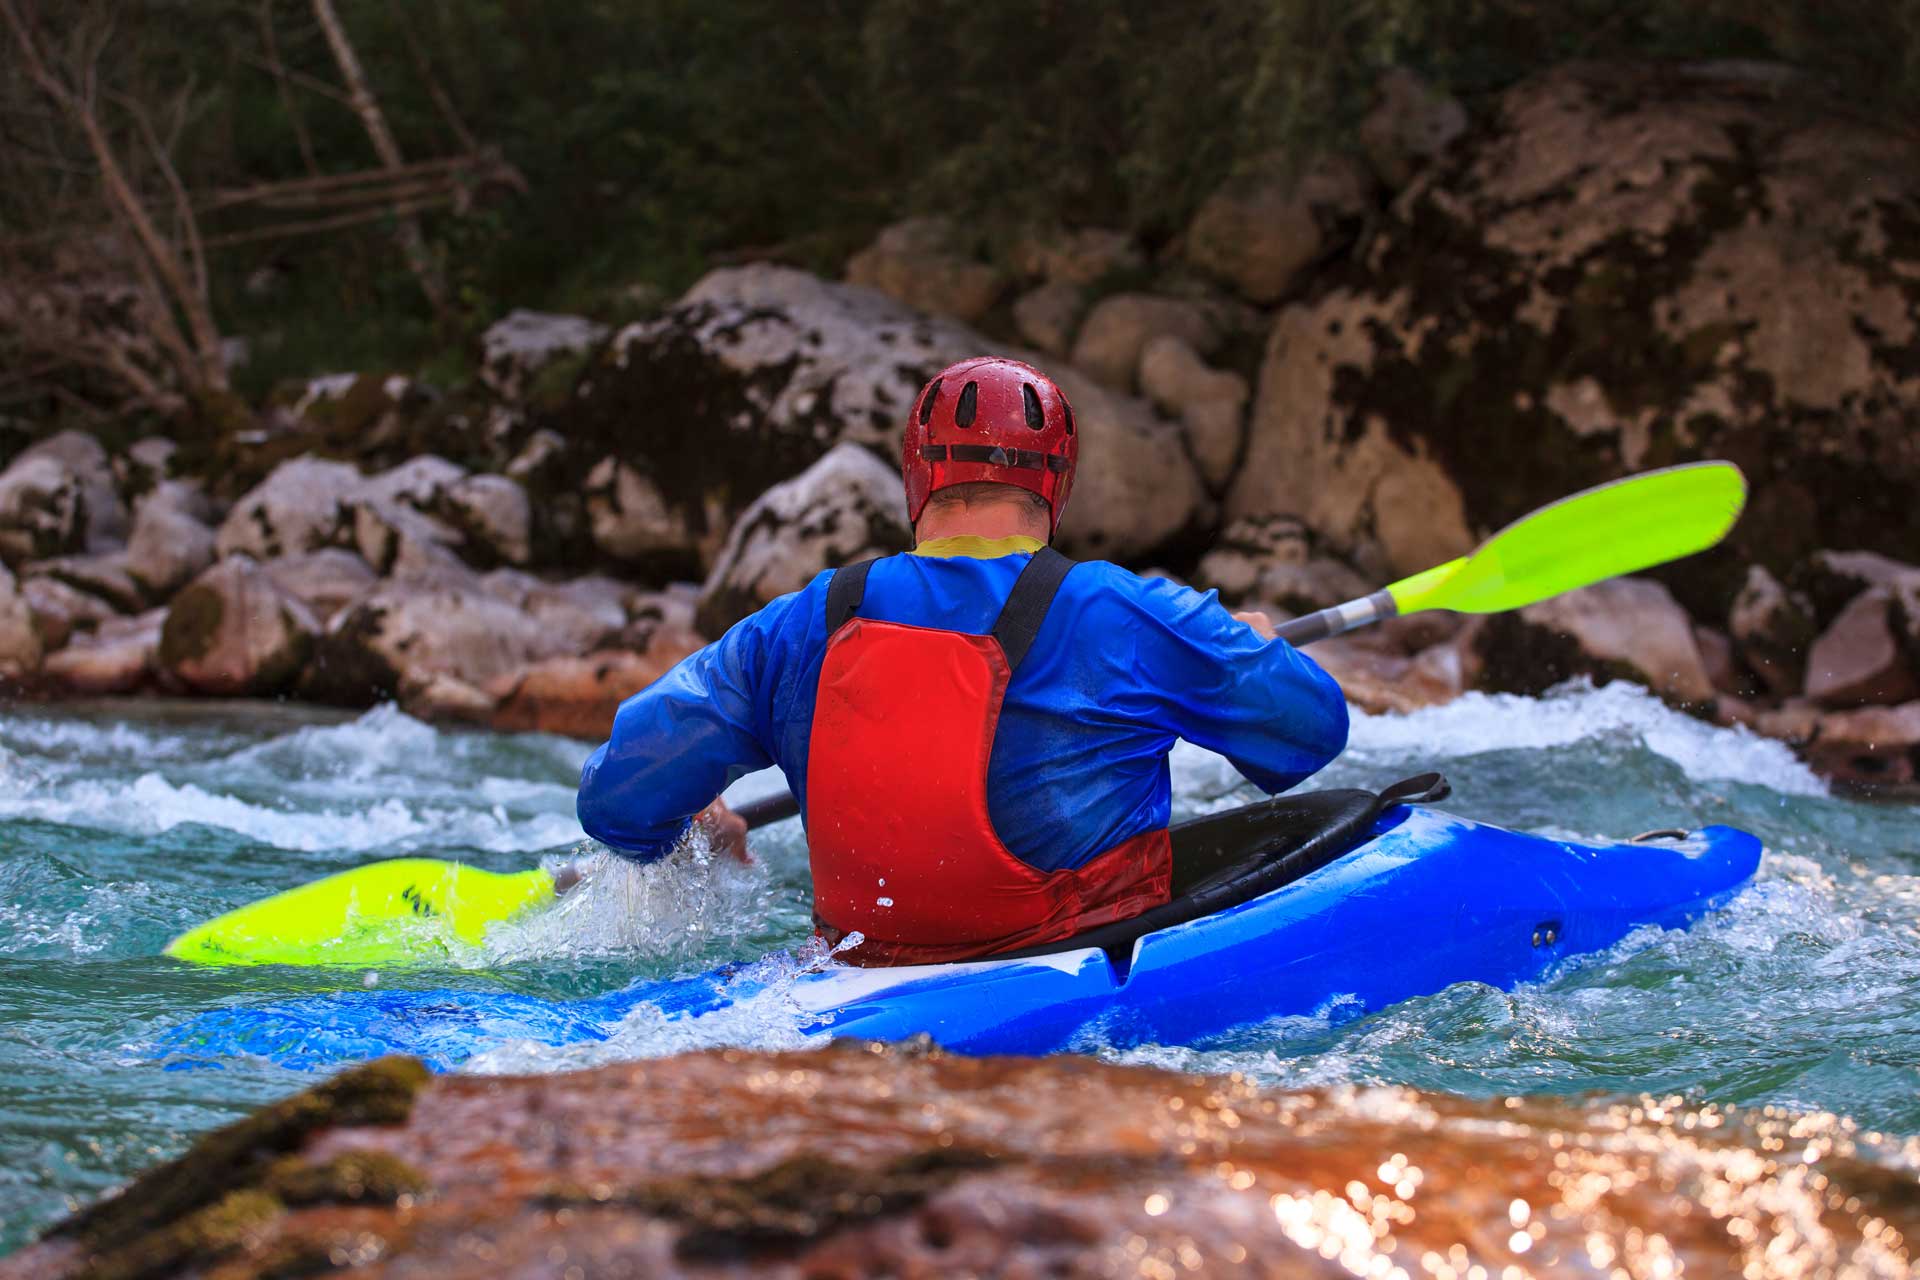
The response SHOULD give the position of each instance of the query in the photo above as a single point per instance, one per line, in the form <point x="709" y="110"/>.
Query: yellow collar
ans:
<point x="973" y="547"/>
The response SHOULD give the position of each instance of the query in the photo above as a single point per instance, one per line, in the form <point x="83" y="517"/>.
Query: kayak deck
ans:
<point x="1428" y="899"/>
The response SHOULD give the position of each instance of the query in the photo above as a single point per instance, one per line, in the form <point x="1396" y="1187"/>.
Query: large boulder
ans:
<point x="1210" y="403"/>
<point x="59" y="497"/>
<point x="1048" y="314"/>
<point x="60" y="609"/>
<point x="1626" y="627"/>
<point x="232" y="632"/>
<point x="494" y="515"/>
<point x="578" y="697"/>
<point x="302" y="506"/>
<point x="1260" y="230"/>
<point x="1622" y="267"/>
<point x="171" y="541"/>
<point x="1269" y="562"/>
<point x="517" y="349"/>
<point x="1078" y="257"/>
<point x="685" y="420"/>
<point x="923" y="263"/>
<point x="1120" y="326"/>
<point x="846" y="507"/>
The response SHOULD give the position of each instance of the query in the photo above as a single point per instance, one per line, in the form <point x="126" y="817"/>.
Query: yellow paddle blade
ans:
<point x="1617" y="528"/>
<point x="388" y="912"/>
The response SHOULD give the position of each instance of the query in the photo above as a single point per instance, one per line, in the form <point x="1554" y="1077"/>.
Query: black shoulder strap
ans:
<point x="1028" y="602"/>
<point x="845" y="590"/>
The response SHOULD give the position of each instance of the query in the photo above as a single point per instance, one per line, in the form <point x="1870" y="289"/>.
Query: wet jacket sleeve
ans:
<point x="1265" y="706"/>
<point x="682" y="740"/>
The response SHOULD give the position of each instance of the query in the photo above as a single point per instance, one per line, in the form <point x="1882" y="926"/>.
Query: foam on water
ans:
<point x="122" y="826"/>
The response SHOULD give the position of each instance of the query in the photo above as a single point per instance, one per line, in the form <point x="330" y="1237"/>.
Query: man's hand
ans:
<point x="1260" y="622"/>
<point x="726" y="831"/>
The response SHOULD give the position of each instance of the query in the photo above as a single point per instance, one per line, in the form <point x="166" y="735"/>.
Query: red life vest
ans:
<point x="898" y="833"/>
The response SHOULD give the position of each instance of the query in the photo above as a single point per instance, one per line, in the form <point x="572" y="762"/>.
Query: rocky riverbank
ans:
<point x="1339" y="374"/>
<point x="870" y="1160"/>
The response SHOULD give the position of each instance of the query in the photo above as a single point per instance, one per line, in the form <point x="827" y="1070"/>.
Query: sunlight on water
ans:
<point x="121" y="826"/>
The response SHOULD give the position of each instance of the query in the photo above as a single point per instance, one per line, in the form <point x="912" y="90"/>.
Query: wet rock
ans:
<point x="520" y="346"/>
<point x="1261" y="229"/>
<point x="1380" y="682"/>
<point x="325" y="581"/>
<point x="232" y="632"/>
<point x="846" y="507"/>
<point x="1624" y="266"/>
<point x="494" y="514"/>
<point x="921" y="263"/>
<point x="20" y="642"/>
<point x="1411" y="123"/>
<point x="1628" y="627"/>
<point x="1772" y="631"/>
<point x="171" y="541"/>
<point x="302" y="506"/>
<point x="1048" y="314"/>
<point x="1081" y="257"/>
<point x="396" y="639"/>
<point x="577" y="697"/>
<point x="1858" y="660"/>
<point x="1870" y="748"/>
<point x="1120" y="325"/>
<point x="1795" y="721"/>
<point x="865" y="1160"/>
<point x="60" y="610"/>
<point x="1211" y="404"/>
<point x="120" y="655"/>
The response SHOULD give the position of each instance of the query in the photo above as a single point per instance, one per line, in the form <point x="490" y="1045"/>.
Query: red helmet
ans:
<point x="995" y="420"/>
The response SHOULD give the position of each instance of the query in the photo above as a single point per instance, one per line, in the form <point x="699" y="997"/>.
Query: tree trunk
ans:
<point x="413" y="244"/>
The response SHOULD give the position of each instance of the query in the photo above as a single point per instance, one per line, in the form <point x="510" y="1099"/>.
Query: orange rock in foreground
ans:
<point x="865" y="1160"/>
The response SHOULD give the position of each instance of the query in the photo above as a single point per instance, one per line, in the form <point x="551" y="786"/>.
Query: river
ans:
<point x="121" y="825"/>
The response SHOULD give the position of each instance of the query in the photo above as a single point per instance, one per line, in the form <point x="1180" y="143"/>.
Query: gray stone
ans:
<point x="1211" y="404"/>
<point x="1772" y="629"/>
<point x="1624" y="627"/>
<point x="846" y="507"/>
<point x="60" y="610"/>
<point x="302" y="506"/>
<point x="919" y="262"/>
<point x="20" y="646"/>
<point x="1262" y="228"/>
<point x="1120" y="326"/>
<point x="1047" y="315"/>
<point x="171" y="541"/>
<point x="120" y="656"/>
<point x="494" y="514"/>
<point x="515" y="348"/>
<point x="325" y="581"/>
<point x="1858" y="660"/>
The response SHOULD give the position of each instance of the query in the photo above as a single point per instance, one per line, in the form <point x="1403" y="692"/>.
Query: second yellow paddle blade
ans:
<point x="1601" y="533"/>
<point x="385" y="913"/>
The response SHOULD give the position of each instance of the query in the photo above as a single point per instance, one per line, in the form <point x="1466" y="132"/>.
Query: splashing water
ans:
<point x="121" y="826"/>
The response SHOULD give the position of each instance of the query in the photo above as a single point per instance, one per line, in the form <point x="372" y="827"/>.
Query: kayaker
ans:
<point x="977" y="730"/>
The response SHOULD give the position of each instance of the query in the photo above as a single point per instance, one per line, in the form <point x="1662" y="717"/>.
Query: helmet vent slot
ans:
<point x="963" y="413"/>
<point x="1068" y="410"/>
<point x="926" y="405"/>
<point x="1036" y="420"/>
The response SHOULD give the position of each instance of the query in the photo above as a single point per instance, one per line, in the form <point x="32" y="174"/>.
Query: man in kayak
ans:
<point x="977" y="731"/>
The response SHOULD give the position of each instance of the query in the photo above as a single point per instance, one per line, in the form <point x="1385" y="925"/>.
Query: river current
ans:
<point x="122" y="825"/>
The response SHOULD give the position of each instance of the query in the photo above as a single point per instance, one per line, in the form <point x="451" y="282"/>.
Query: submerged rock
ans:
<point x="865" y="1160"/>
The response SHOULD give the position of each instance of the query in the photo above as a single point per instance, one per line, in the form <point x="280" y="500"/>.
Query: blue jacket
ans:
<point x="1122" y="667"/>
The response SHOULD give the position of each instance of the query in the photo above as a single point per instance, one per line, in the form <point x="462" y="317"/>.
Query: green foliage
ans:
<point x="659" y="137"/>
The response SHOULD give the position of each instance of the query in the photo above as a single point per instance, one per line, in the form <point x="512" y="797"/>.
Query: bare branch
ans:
<point x="271" y="43"/>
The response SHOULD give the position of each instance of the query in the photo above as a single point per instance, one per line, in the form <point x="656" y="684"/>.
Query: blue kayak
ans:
<point x="1338" y="920"/>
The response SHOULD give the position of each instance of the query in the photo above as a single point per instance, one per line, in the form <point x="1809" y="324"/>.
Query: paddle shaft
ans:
<point x="1361" y="612"/>
<point x="768" y="809"/>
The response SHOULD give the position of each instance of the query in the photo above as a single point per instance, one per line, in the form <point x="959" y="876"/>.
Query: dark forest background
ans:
<point x="597" y="155"/>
